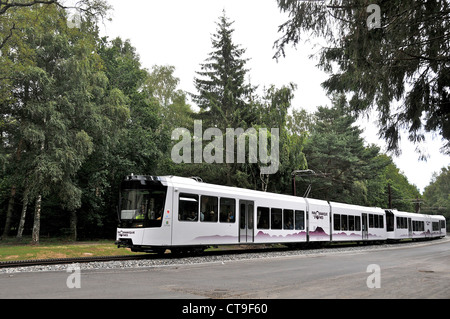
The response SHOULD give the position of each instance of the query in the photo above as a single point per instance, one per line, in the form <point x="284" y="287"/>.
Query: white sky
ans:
<point x="178" y="33"/>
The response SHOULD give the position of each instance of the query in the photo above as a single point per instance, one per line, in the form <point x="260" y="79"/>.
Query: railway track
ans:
<point x="234" y="251"/>
<point x="60" y="261"/>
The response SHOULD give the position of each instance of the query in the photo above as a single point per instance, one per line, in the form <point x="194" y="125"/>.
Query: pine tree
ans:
<point x="336" y="149"/>
<point x="223" y="94"/>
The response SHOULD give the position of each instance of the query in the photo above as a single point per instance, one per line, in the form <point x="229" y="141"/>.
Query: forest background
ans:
<point x="79" y="112"/>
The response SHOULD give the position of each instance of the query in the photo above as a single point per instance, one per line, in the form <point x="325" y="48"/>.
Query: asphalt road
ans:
<point x="402" y="272"/>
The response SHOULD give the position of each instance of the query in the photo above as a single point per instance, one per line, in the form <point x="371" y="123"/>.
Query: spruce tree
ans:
<point x="336" y="149"/>
<point x="223" y="94"/>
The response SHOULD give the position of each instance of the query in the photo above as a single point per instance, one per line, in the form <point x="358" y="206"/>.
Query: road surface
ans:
<point x="421" y="271"/>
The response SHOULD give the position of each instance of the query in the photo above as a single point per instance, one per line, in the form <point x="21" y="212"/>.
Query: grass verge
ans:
<point x="10" y="250"/>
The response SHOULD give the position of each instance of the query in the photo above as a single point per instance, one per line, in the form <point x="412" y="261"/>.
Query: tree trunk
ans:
<point x="73" y="225"/>
<point x="23" y="215"/>
<point x="265" y="181"/>
<point x="9" y="213"/>
<point x="37" y="221"/>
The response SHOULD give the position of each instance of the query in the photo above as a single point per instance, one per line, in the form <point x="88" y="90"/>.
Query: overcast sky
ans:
<point x="178" y="33"/>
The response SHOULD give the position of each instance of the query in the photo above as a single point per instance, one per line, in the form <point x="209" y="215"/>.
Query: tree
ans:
<point x="403" y="194"/>
<point x="91" y="9"/>
<point x="399" y="66"/>
<point x="60" y="99"/>
<point x="273" y="110"/>
<point x="437" y="195"/>
<point x="162" y="85"/>
<point x="223" y="94"/>
<point x="335" y="149"/>
<point x="133" y="145"/>
<point x="227" y="101"/>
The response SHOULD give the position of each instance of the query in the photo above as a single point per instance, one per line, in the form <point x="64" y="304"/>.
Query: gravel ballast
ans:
<point x="164" y="262"/>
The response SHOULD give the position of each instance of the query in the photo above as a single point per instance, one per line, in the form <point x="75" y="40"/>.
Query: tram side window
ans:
<point x="344" y="222"/>
<point x="188" y="207"/>
<point x="435" y="226"/>
<point x="299" y="219"/>
<point x="402" y="223"/>
<point x="358" y="223"/>
<point x="376" y="221"/>
<point x="227" y="210"/>
<point x="351" y="222"/>
<point x="337" y="222"/>
<point x="442" y="222"/>
<point x="418" y="225"/>
<point x="288" y="219"/>
<point x="263" y="218"/>
<point x="347" y="222"/>
<point x="209" y="211"/>
<point x="276" y="218"/>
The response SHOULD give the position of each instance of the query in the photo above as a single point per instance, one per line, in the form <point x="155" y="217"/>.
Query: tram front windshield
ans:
<point x="142" y="207"/>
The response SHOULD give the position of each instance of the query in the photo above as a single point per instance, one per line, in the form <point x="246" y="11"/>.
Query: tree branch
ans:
<point x="8" y="5"/>
<point x="8" y="37"/>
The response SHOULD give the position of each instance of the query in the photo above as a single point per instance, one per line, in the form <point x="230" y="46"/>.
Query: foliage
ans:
<point x="335" y="151"/>
<point x="58" y="106"/>
<point x="399" y="68"/>
<point x="224" y="97"/>
<point x="437" y="195"/>
<point x="161" y="84"/>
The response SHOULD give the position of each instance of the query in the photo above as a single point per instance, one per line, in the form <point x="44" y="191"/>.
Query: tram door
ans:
<point x="246" y="228"/>
<point x="365" y="228"/>
<point x="410" y="229"/>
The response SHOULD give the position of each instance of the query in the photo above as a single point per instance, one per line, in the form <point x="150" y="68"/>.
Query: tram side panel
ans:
<point x="198" y="220"/>
<point x="280" y="220"/>
<point x="422" y="226"/>
<point x="161" y="236"/>
<point x="346" y="222"/>
<point x="400" y="225"/>
<point x="443" y="227"/>
<point x="375" y="220"/>
<point x="319" y="215"/>
<point x="438" y="228"/>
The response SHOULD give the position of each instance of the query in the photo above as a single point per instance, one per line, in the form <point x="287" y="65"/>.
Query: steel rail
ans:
<point x="234" y="251"/>
<point x="59" y="261"/>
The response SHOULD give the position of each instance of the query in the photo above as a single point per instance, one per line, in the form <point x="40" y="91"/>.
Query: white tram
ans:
<point x="184" y="214"/>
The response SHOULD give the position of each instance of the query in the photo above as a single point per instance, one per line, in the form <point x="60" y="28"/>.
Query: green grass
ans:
<point x="10" y="250"/>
